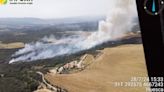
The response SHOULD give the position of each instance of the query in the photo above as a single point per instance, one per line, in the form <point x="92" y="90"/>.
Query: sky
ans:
<point x="52" y="9"/>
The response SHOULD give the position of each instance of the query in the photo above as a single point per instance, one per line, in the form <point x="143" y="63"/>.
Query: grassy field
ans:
<point x="116" y="64"/>
<point x="14" y="45"/>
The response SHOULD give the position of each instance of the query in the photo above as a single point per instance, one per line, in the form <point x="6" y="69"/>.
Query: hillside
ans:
<point x="115" y="64"/>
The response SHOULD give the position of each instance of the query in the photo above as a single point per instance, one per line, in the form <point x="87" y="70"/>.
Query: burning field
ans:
<point x="82" y="56"/>
<point x="121" y="21"/>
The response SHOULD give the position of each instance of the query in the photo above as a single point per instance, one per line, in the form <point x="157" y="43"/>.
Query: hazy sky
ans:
<point x="58" y="8"/>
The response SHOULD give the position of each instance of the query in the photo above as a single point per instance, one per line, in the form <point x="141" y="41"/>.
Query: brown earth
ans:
<point x="116" y="64"/>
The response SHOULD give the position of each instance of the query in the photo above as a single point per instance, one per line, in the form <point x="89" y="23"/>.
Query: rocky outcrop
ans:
<point x="73" y="65"/>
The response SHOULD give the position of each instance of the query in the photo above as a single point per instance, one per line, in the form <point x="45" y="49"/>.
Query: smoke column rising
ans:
<point x="119" y="22"/>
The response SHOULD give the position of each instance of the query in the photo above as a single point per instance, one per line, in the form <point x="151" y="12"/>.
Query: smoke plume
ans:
<point x="119" y="22"/>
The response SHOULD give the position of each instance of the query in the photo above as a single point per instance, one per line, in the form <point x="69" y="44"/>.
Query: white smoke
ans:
<point x="119" y="22"/>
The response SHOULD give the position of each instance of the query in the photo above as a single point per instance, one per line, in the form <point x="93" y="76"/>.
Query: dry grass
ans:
<point x="11" y="45"/>
<point x="117" y="64"/>
<point x="43" y="90"/>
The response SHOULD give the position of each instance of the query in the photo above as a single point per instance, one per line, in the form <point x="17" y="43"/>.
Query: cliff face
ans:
<point x="116" y="64"/>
